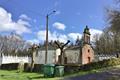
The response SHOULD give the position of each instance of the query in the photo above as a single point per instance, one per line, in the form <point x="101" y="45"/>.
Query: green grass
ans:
<point x="13" y="75"/>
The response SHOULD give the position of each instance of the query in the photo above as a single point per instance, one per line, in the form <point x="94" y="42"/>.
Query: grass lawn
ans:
<point x="13" y="75"/>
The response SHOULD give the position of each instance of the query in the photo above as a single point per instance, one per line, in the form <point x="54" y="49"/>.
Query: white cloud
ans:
<point x="95" y="32"/>
<point x="74" y="36"/>
<point x="62" y="38"/>
<point x="7" y="24"/>
<point x="36" y="41"/>
<point x="23" y="22"/>
<point x="57" y="36"/>
<point x="41" y="36"/>
<point x="51" y="36"/>
<point x="25" y="17"/>
<point x="59" y="26"/>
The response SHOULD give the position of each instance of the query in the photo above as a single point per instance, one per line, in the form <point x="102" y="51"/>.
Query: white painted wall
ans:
<point x="39" y="59"/>
<point x="106" y="57"/>
<point x="52" y="57"/>
<point x="15" y="59"/>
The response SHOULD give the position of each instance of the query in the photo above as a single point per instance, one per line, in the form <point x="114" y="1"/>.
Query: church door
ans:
<point x="88" y="59"/>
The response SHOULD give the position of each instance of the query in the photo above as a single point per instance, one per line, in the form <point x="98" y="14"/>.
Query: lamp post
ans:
<point x="47" y="16"/>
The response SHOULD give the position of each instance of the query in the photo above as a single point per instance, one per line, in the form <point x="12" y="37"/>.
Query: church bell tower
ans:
<point x="86" y="35"/>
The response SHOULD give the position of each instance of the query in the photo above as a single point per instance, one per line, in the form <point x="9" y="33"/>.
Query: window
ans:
<point x="88" y="50"/>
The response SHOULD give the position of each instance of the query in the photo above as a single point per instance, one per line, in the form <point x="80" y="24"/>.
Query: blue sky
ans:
<point x="27" y="18"/>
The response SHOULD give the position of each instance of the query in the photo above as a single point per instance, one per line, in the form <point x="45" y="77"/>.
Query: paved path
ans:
<point x="113" y="74"/>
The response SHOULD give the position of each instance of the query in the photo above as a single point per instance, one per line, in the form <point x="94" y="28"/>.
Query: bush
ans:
<point x="22" y="67"/>
<point x="37" y="67"/>
<point x="91" y="66"/>
<point x="101" y="64"/>
<point x="10" y="66"/>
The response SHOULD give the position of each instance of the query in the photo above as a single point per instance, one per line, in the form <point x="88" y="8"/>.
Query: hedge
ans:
<point x="15" y="66"/>
<point x="101" y="64"/>
<point x="10" y="66"/>
<point x="94" y="65"/>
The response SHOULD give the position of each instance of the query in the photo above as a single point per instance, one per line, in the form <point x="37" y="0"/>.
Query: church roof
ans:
<point x="50" y="47"/>
<point x="74" y="48"/>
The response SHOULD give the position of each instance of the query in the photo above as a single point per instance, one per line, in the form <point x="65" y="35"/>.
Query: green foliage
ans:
<point x="10" y="66"/>
<point x="38" y="68"/>
<point x="101" y="64"/>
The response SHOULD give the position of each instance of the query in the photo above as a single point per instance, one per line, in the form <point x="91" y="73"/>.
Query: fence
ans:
<point x="103" y="56"/>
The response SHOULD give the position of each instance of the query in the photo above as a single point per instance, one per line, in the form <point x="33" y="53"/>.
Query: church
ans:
<point x="78" y="54"/>
<point x="82" y="53"/>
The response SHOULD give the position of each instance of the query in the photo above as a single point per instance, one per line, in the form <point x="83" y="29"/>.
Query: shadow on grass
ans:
<point x="37" y="77"/>
<point x="40" y="77"/>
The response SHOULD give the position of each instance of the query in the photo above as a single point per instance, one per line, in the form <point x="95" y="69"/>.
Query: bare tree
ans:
<point x="33" y="51"/>
<point x="61" y="46"/>
<point x="12" y="45"/>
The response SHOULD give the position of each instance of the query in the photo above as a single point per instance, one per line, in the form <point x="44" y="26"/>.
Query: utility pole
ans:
<point x="46" y="39"/>
<point x="46" y="46"/>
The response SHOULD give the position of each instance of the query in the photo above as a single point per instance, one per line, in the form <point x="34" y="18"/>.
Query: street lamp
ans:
<point x="47" y="16"/>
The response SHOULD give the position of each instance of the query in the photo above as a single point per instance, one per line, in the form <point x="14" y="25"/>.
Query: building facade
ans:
<point x="83" y="53"/>
<point x="78" y="54"/>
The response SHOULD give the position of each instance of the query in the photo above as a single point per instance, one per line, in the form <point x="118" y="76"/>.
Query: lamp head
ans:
<point x="54" y="11"/>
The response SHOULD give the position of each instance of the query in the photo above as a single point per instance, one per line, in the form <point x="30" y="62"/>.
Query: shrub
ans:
<point x="10" y="66"/>
<point x="101" y="64"/>
<point x="91" y="66"/>
<point x="22" y="67"/>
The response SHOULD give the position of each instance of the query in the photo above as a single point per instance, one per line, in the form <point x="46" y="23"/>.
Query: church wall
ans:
<point x="87" y="54"/>
<point x="72" y="56"/>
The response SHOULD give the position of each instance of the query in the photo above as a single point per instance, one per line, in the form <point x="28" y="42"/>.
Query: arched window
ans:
<point x="88" y="50"/>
